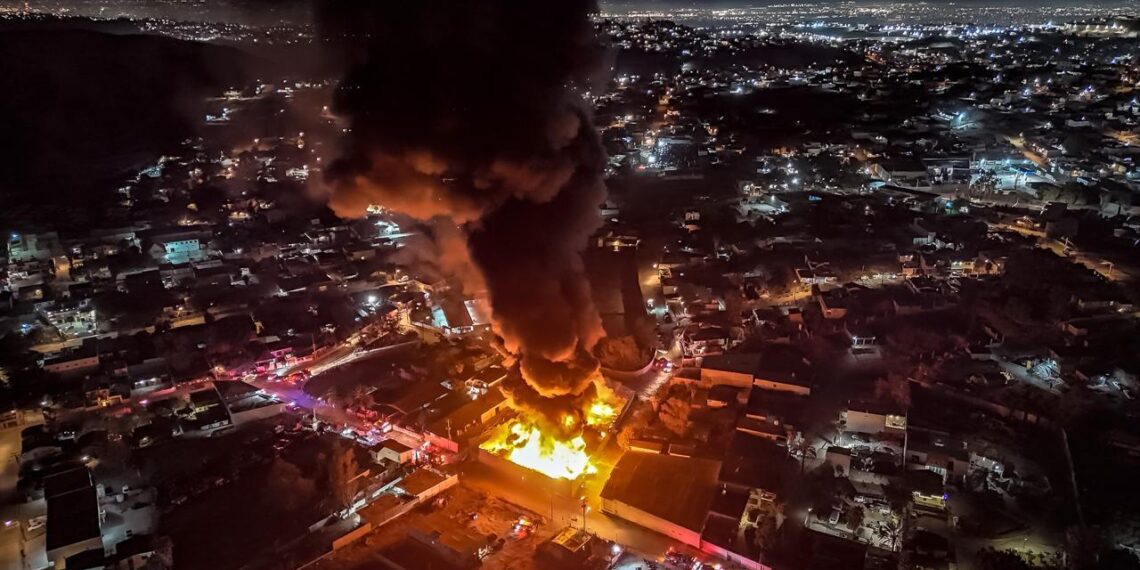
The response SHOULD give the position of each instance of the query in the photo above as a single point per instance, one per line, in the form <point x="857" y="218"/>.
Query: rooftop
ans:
<point x="72" y="517"/>
<point x="677" y="489"/>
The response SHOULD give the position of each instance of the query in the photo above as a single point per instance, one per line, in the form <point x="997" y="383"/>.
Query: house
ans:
<point x="937" y="452"/>
<point x="74" y="518"/>
<point x="392" y="451"/>
<point x="450" y="431"/>
<point x="74" y="363"/>
<point x="833" y="304"/>
<point x="729" y="369"/>
<point x="28" y="247"/>
<point x="178" y="248"/>
<point x="780" y="408"/>
<point x="457" y="544"/>
<point x="875" y="417"/>
<point x="456" y="317"/>
<point x="704" y="341"/>
<point x="784" y="368"/>
<point x="734" y="523"/>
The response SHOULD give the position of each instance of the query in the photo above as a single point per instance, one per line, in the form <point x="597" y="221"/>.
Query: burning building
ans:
<point x="474" y="119"/>
<point x="523" y="441"/>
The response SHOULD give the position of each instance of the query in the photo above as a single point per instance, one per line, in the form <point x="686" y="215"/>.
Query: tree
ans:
<point x="802" y="446"/>
<point x="1116" y="559"/>
<point x="674" y="410"/>
<point x="362" y="396"/>
<point x="288" y="488"/>
<point x="855" y="517"/>
<point x="620" y="353"/>
<point x="342" y="475"/>
<point x="893" y="387"/>
<point x="765" y="537"/>
<point x="892" y="531"/>
<point x="821" y="489"/>
<point x="990" y="559"/>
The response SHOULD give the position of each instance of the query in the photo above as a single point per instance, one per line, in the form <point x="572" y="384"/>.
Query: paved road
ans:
<point x="10" y="541"/>
<point x="1103" y="267"/>
<point x="17" y="511"/>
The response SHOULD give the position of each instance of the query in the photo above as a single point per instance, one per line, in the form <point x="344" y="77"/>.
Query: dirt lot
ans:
<point x="494" y="517"/>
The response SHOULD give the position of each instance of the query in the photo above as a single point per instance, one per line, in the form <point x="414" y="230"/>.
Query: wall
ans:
<point x="258" y="413"/>
<point x="522" y="476"/>
<point x="73" y="367"/>
<point x="782" y="387"/>
<point x="712" y="377"/>
<point x="353" y="535"/>
<point x="656" y="524"/>
<point x="733" y="557"/>
<point x="864" y="422"/>
<point x="58" y="557"/>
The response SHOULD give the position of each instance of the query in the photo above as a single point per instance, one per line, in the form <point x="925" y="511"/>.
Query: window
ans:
<point x="896" y="422"/>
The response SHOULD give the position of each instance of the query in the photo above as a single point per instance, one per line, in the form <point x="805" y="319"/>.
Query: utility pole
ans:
<point x="585" y="509"/>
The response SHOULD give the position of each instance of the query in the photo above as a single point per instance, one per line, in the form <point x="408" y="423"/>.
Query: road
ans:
<point x="10" y="540"/>
<point x="1104" y="267"/>
<point x="12" y="546"/>
<point x="1019" y="144"/>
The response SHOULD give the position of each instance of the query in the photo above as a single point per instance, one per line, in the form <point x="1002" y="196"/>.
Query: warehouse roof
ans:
<point x="677" y="489"/>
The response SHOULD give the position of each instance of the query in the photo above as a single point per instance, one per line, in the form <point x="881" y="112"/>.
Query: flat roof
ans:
<point x="72" y="517"/>
<point x="394" y="446"/>
<point x="741" y="363"/>
<point x="874" y="407"/>
<point x="66" y="481"/>
<point x="441" y="529"/>
<point x="419" y="481"/>
<point x="677" y="489"/>
<point x="756" y="462"/>
<point x="468" y="413"/>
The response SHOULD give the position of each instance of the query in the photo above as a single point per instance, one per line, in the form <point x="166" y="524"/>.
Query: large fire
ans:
<point x="522" y="442"/>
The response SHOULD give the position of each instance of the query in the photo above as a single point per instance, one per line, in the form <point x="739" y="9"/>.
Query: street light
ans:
<point x="585" y="509"/>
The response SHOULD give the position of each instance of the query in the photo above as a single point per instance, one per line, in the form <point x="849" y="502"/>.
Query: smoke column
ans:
<point x="473" y="112"/>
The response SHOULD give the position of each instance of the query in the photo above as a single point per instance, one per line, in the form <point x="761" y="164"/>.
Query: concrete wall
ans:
<point x="733" y="557"/>
<point x="711" y="377"/>
<point x="519" y="475"/>
<point x="864" y="422"/>
<point x="651" y="522"/>
<point x="352" y="536"/>
<point x="781" y="387"/>
<point x="257" y="413"/>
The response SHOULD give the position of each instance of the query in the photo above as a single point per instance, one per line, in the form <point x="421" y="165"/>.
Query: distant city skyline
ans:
<point x="261" y="12"/>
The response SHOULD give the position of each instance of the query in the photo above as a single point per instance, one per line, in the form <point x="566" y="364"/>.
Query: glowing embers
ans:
<point x="523" y="443"/>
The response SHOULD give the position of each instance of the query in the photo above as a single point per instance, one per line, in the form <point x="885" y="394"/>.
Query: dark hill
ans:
<point x="79" y="107"/>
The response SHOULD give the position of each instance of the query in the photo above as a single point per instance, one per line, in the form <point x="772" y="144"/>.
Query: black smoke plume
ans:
<point x="476" y="111"/>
